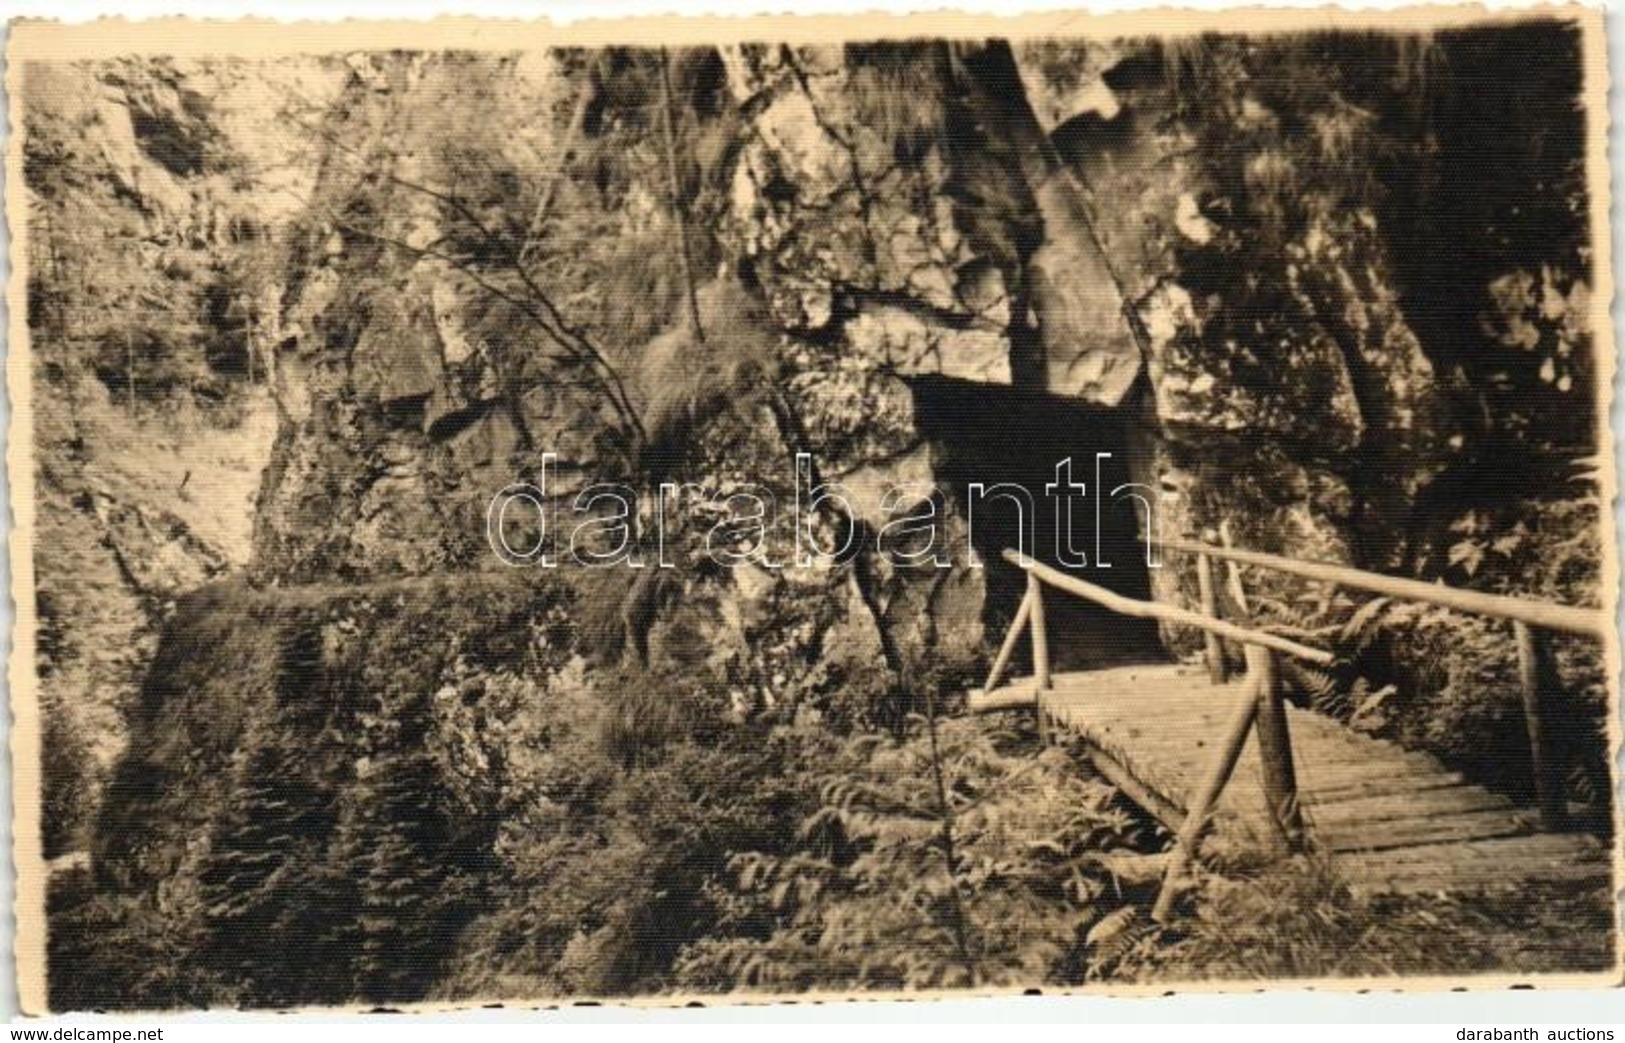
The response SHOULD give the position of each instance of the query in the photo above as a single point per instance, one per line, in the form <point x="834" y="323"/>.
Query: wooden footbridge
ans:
<point x="1175" y="739"/>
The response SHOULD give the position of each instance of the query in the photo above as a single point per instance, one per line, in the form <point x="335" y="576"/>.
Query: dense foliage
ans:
<point x="517" y="823"/>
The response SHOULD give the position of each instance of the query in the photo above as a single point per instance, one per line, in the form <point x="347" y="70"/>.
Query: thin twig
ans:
<point x="684" y="256"/>
<point x="578" y="121"/>
<point x="961" y="927"/>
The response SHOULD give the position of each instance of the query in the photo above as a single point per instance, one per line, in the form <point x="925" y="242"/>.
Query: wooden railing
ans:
<point x="1538" y="683"/>
<point x="1263" y="710"/>
<point x="1586" y="622"/>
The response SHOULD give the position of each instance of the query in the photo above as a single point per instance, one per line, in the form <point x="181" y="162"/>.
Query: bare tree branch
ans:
<point x="679" y="218"/>
<point x="536" y="303"/>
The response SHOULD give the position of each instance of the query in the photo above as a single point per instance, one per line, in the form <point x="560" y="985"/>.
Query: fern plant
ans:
<point x="865" y="897"/>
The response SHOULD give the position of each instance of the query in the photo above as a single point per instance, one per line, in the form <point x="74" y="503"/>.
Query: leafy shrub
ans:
<point x="314" y="823"/>
<point x="878" y="891"/>
<point x="1448" y="682"/>
<point x="610" y="843"/>
<point x="682" y="384"/>
<point x="1456" y="676"/>
<point x="107" y="951"/>
<point x="66" y="785"/>
<point x="1300" y="921"/>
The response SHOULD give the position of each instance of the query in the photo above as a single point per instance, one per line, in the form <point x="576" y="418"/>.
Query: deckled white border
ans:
<point x="1293" y="1005"/>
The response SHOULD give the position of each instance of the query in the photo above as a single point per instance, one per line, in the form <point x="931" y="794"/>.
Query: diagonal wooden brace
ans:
<point x="1197" y="815"/>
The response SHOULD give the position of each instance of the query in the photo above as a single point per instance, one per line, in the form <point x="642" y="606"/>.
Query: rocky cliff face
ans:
<point x="420" y="397"/>
<point x="155" y="190"/>
<point x="1197" y="243"/>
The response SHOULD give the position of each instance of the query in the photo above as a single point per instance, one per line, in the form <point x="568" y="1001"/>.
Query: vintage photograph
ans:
<point x="774" y="509"/>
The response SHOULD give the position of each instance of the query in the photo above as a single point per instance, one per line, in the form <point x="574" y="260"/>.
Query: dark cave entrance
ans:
<point x="992" y="435"/>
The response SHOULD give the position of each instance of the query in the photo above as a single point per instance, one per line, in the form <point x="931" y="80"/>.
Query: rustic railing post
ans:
<point x="1002" y="661"/>
<point x="1210" y="608"/>
<point x="1035" y="596"/>
<point x="1275" y="750"/>
<point x="1536" y="679"/>
<point x="1040" y="635"/>
<point x="1196" y="816"/>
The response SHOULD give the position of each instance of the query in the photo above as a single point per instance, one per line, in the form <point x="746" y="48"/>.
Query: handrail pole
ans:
<point x="1156" y="610"/>
<point x="1548" y="615"/>
<point x="996" y="674"/>
<point x="1279" y="775"/>
<point x="1035" y="595"/>
<point x="1262" y="707"/>
<point x="1212" y="649"/>
<point x="1535" y="682"/>
<point x="1196" y="816"/>
<point x="1040" y="636"/>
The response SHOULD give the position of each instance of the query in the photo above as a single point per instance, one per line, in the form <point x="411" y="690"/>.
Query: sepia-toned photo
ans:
<point x="726" y="511"/>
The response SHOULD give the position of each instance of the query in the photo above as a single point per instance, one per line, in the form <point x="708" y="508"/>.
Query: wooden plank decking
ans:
<point x="1391" y="819"/>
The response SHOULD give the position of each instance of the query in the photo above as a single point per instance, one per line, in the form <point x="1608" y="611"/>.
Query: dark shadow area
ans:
<point x="995" y="436"/>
